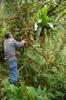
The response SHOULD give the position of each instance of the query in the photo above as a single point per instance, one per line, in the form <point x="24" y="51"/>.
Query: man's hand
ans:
<point x="23" y="41"/>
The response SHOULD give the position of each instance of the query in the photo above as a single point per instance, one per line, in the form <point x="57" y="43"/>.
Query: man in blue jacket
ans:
<point x="10" y="45"/>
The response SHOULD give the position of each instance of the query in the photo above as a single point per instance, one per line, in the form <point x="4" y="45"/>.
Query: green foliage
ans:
<point x="42" y="61"/>
<point x="24" y="92"/>
<point x="42" y="15"/>
<point x="27" y="93"/>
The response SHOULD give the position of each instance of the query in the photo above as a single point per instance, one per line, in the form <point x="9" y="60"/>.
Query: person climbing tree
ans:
<point x="10" y="45"/>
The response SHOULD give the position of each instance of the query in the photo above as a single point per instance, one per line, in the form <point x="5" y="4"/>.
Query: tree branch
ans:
<point x="51" y="11"/>
<point x="8" y="18"/>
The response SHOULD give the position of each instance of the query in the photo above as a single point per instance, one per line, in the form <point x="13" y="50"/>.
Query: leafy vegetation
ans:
<point x="42" y="61"/>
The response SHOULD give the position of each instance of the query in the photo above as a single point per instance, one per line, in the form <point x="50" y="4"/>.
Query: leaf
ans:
<point x="51" y="25"/>
<point x="42" y="15"/>
<point x="59" y="94"/>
